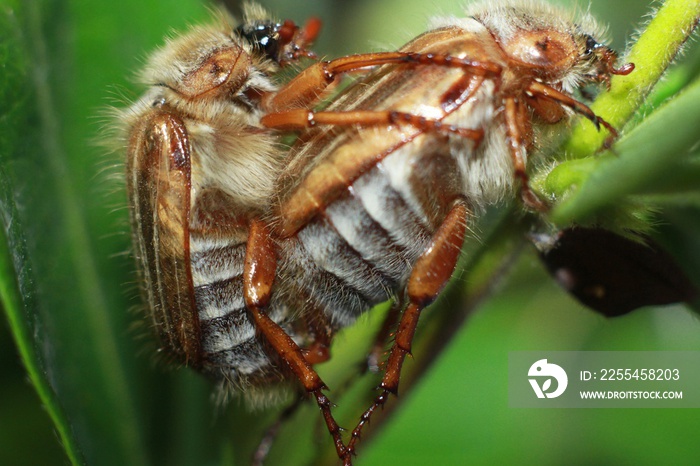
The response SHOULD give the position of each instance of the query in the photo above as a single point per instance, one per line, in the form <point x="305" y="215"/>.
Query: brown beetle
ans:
<point x="199" y="167"/>
<point x="376" y="205"/>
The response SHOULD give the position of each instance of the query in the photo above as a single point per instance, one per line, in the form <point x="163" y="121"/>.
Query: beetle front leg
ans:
<point x="308" y="86"/>
<point x="430" y="274"/>
<point x="258" y="277"/>
<point x="548" y="93"/>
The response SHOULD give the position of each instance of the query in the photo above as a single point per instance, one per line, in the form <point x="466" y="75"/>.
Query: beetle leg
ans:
<point x="546" y="92"/>
<point x="300" y="118"/>
<point x="430" y="274"/>
<point x="306" y="88"/>
<point x="297" y="40"/>
<point x="318" y="351"/>
<point x="258" y="277"/>
<point x="516" y="129"/>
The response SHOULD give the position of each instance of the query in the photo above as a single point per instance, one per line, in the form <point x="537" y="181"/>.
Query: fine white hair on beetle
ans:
<point x="505" y="17"/>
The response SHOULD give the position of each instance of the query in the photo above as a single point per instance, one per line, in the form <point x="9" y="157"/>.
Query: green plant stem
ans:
<point x="652" y="53"/>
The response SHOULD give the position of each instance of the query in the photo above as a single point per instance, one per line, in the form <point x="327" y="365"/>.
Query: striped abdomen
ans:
<point x="231" y="349"/>
<point x="360" y="251"/>
<point x="227" y="336"/>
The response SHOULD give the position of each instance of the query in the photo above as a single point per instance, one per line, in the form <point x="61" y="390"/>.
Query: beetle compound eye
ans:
<point x="264" y="36"/>
<point x="591" y="45"/>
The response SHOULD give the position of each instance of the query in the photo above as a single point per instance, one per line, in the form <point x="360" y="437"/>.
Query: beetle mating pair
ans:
<point x="253" y="256"/>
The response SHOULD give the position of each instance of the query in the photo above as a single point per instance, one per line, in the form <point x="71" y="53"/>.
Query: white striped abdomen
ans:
<point x="360" y="251"/>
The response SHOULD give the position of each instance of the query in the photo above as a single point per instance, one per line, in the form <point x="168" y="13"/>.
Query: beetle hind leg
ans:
<point x="259" y="273"/>
<point x="430" y="274"/>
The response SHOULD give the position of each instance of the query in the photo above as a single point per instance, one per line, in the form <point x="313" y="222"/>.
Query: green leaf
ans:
<point x="18" y="295"/>
<point x="68" y="317"/>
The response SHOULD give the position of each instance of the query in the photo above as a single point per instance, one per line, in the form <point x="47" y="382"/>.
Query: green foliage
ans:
<point x="64" y="275"/>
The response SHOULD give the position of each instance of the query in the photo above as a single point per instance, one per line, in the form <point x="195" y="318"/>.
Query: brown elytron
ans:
<point x="253" y="260"/>
<point x="375" y="200"/>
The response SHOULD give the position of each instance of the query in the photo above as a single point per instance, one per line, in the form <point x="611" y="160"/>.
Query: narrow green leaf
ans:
<point x="70" y="319"/>
<point x="18" y="304"/>
<point x="19" y="299"/>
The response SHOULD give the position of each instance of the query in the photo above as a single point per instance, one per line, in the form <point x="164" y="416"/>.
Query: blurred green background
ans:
<point x="65" y="61"/>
